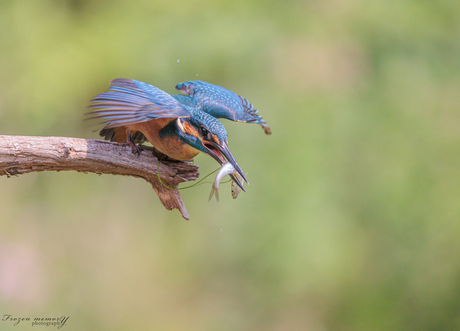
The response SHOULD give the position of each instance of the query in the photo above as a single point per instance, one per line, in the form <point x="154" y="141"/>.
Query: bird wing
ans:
<point x="129" y="101"/>
<point x="219" y="102"/>
<point x="185" y="100"/>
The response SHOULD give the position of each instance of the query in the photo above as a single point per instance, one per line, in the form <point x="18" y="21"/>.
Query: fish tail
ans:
<point x="214" y="189"/>
<point x="212" y="193"/>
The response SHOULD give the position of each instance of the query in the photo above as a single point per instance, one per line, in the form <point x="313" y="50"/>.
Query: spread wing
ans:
<point x="185" y="100"/>
<point x="219" y="102"/>
<point x="129" y="101"/>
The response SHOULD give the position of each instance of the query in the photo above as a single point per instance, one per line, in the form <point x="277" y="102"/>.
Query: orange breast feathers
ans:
<point x="171" y="146"/>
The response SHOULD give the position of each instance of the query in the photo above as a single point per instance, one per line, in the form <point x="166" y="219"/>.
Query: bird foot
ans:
<point x="136" y="149"/>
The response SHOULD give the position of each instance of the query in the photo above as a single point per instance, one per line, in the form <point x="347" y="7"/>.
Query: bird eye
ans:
<point x="204" y="132"/>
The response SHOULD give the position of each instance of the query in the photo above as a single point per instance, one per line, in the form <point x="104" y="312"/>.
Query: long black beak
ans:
<point x="228" y="155"/>
<point x="226" y="152"/>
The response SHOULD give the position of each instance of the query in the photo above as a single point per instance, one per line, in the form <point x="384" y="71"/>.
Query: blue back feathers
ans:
<point x="221" y="103"/>
<point x="185" y="100"/>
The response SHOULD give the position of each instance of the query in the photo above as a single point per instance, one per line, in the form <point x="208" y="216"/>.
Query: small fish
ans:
<point x="226" y="169"/>
<point x="235" y="188"/>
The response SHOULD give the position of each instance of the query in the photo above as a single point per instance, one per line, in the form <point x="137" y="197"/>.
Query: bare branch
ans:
<point x="22" y="154"/>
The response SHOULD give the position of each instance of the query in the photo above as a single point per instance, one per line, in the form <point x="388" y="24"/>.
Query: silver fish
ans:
<point x="226" y="169"/>
<point x="235" y="188"/>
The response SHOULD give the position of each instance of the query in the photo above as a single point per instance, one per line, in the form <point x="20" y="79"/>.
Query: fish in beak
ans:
<point x="220" y="153"/>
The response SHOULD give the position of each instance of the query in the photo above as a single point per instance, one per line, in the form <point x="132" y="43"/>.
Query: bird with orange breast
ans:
<point x="179" y="126"/>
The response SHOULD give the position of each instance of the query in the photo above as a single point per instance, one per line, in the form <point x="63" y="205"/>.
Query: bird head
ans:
<point x="206" y="134"/>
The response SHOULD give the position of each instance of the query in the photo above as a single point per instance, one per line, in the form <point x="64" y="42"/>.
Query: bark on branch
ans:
<point x="20" y="155"/>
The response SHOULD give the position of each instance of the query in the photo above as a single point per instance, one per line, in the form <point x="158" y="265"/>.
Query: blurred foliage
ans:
<point x="352" y="218"/>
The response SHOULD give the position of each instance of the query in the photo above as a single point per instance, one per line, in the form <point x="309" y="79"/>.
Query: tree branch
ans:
<point x="20" y="155"/>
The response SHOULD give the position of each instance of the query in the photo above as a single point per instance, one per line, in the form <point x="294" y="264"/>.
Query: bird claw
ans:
<point x="135" y="149"/>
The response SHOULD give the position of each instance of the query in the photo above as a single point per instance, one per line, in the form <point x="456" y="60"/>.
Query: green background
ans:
<point x="352" y="218"/>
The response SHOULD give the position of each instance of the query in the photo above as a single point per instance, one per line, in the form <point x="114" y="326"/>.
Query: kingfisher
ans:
<point x="179" y="126"/>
